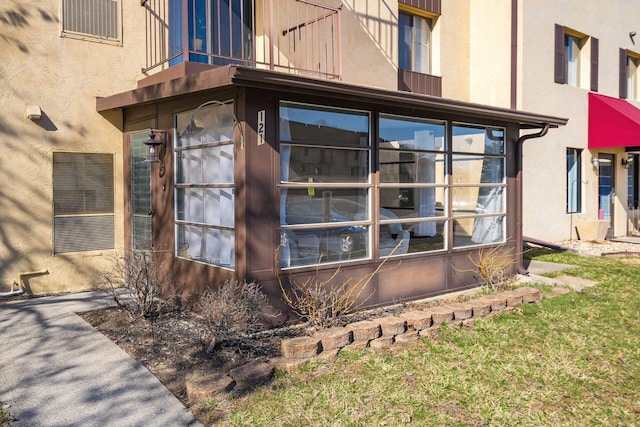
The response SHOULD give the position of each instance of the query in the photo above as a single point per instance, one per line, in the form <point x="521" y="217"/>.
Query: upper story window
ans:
<point x="576" y="59"/>
<point x="221" y="29"/>
<point x="98" y="20"/>
<point x="417" y="53"/>
<point x="414" y="37"/>
<point x="629" y="75"/>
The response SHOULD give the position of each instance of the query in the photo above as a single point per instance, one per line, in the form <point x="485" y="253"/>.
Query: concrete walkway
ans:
<point x="57" y="370"/>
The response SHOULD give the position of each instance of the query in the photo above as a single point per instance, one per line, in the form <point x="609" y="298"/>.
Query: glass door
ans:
<point x="606" y="189"/>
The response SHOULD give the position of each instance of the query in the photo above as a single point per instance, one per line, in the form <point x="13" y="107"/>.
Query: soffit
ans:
<point x="252" y="77"/>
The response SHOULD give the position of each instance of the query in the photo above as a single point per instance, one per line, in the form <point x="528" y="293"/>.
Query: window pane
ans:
<point x="411" y="202"/>
<point x="320" y="245"/>
<point x="574" y="180"/>
<point x="319" y="164"/>
<point x="405" y="22"/>
<point x="478" y="169"/>
<point x="324" y="205"/>
<point x="422" y="34"/>
<point x="208" y="165"/>
<point x="212" y="206"/>
<point x="411" y="134"/>
<point x="209" y="245"/>
<point x="210" y="124"/>
<point x="412" y="167"/>
<point x="477" y="200"/>
<point x="314" y="124"/>
<point x="402" y="238"/>
<point x="476" y="231"/>
<point x="467" y="139"/>
<point x="572" y="56"/>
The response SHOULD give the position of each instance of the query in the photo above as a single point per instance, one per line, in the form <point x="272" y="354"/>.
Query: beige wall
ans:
<point x="63" y="76"/>
<point x="544" y="159"/>
<point x="370" y="43"/>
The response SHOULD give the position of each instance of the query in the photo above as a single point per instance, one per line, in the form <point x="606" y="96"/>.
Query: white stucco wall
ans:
<point x="63" y="76"/>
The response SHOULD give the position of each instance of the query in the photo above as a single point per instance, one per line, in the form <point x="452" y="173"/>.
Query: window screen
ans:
<point x="83" y="202"/>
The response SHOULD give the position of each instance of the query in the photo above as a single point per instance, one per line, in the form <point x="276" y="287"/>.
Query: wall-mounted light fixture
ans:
<point x="156" y="142"/>
<point x="626" y="163"/>
<point x="595" y="162"/>
<point x="193" y="128"/>
<point x="632" y="34"/>
<point x="34" y="112"/>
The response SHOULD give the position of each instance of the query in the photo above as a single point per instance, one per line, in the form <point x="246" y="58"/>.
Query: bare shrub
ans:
<point x="326" y="303"/>
<point x="493" y="266"/>
<point x="234" y="310"/>
<point x="137" y="282"/>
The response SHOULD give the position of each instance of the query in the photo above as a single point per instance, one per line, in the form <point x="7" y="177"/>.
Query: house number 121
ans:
<point x="261" y="115"/>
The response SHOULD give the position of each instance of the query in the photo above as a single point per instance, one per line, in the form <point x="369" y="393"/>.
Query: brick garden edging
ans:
<point x="375" y="333"/>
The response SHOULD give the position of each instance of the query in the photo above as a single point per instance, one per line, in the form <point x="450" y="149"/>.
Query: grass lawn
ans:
<point x="572" y="360"/>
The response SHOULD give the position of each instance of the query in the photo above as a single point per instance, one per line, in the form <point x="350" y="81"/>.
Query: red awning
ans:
<point x="613" y="122"/>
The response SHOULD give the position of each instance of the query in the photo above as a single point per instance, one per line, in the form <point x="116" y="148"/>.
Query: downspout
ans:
<point x="20" y="283"/>
<point x="519" y="143"/>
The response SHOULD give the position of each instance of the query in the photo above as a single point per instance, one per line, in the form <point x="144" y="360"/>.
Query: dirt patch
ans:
<point x="175" y="344"/>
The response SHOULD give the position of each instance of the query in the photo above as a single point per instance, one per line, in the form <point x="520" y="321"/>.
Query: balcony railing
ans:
<point x="295" y="36"/>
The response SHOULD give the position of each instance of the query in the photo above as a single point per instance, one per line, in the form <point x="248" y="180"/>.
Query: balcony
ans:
<point x="294" y="36"/>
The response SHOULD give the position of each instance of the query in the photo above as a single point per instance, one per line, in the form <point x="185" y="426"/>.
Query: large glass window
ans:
<point x="205" y="195"/>
<point x="325" y="157"/>
<point x="574" y="180"/>
<point x="478" y="184"/>
<point x="412" y="185"/>
<point x="414" y="36"/>
<point x="83" y="202"/>
<point x="220" y="28"/>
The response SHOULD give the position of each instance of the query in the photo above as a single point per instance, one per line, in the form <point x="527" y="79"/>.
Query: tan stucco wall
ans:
<point x="63" y="76"/>
<point x="370" y="43"/>
<point x="544" y="159"/>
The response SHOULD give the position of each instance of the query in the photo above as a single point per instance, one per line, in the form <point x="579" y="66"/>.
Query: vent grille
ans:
<point x="98" y="18"/>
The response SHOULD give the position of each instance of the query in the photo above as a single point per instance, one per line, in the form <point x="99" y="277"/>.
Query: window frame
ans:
<point x="429" y="222"/>
<point x="587" y="74"/>
<point x="477" y="217"/>
<point x="313" y="187"/>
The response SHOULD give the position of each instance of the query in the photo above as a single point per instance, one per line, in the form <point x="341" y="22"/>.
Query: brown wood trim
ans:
<point x="433" y="6"/>
<point x="514" y="55"/>
<point x="425" y="84"/>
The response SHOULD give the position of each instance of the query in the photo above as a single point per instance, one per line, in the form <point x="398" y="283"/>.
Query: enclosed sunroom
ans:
<point x="267" y="176"/>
